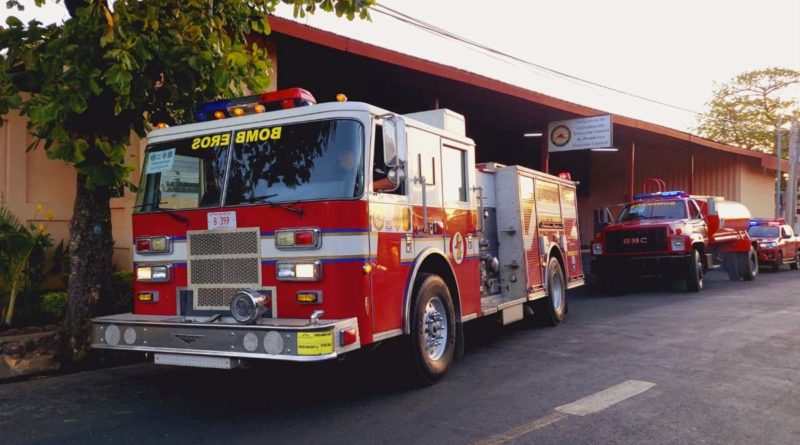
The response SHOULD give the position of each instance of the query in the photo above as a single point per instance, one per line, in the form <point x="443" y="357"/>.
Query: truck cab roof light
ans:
<point x="775" y="222"/>
<point x="259" y="103"/>
<point x="656" y="195"/>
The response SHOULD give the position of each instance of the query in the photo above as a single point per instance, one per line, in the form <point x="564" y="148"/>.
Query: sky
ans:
<point x="669" y="51"/>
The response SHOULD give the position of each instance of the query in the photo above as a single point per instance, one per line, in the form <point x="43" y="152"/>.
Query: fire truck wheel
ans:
<point x="748" y="265"/>
<point x="552" y="309"/>
<point x="796" y="263"/>
<point x="776" y="267"/>
<point x="694" y="276"/>
<point x="732" y="266"/>
<point x="433" y="330"/>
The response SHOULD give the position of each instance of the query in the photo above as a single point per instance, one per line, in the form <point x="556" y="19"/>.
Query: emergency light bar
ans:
<point x="670" y="194"/>
<point x="259" y="103"/>
<point x="774" y="222"/>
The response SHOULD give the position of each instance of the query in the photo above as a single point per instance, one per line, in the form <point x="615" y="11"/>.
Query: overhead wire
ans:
<point x="537" y="68"/>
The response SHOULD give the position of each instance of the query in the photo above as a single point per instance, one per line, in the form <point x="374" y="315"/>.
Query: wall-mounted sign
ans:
<point x="580" y="134"/>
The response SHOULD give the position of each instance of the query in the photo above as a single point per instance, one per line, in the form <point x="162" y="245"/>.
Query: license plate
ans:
<point x="314" y="343"/>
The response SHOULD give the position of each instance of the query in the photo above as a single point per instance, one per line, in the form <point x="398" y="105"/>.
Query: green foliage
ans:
<point x="98" y="76"/>
<point x="22" y="257"/>
<point x="54" y="304"/>
<point x="120" y="298"/>
<point x="745" y="111"/>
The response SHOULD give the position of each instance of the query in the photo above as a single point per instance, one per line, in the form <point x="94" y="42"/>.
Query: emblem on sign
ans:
<point x="560" y="135"/>
<point x="457" y="247"/>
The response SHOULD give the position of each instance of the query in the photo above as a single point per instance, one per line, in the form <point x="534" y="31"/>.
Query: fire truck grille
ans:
<point x="638" y="240"/>
<point x="224" y="243"/>
<point x="220" y="263"/>
<point x="214" y="297"/>
<point x="225" y="270"/>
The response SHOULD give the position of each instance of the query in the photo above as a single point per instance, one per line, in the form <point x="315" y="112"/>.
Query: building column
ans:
<point x="545" y="156"/>
<point x="691" y="172"/>
<point x="631" y="171"/>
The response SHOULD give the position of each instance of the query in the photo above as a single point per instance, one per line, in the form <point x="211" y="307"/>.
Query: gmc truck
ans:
<point x="674" y="236"/>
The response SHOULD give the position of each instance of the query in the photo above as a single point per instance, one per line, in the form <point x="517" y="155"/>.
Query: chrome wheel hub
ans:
<point x="434" y="325"/>
<point x="557" y="291"/>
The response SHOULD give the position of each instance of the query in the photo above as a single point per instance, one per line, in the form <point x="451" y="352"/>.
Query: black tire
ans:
<point x="732" y="266"/>
<point x="552" y="309"/>
<point x="431" y="314"/>
<point x="748" y="265"/>
<point x="776" y="266"/>
<point x="796" y="263"/>
<point x="694" y="273"/>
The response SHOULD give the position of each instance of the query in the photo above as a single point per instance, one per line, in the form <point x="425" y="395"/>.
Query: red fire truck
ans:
<point x="673" y="235"/>
<point x="278" y="228"/>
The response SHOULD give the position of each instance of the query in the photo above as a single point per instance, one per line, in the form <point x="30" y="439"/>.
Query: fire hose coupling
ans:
<point x="248" y="306"/>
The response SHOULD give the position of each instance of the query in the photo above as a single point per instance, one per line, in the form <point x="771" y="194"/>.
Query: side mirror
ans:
<point x="394" y="141"/>
<point x="712" y="207"/>
<point x="602" y="218"/>
<point x="396" y="176"/>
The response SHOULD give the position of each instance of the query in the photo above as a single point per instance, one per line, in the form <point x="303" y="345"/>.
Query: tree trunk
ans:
<point x="90" y="249"/>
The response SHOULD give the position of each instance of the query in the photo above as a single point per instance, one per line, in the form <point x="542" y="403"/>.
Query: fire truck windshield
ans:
<point x="764" y="231"/>
<point x="297" y="162"/>
<point x="668" y="209"/>
<point x="178" y="176"/>
<point x="286" y="163"/>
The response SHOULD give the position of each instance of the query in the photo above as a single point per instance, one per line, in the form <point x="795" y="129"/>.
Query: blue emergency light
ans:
<point x="259" y="103"/>
<point x="670" y="194"/>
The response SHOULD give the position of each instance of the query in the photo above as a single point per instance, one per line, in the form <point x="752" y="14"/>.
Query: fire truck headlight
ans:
<point x="597" y="248"/>
<point x="144" y="273"/>
<point x="298" y="271"/>
<point x="769" y="245"/>
<point x="248" y="305"/>
<point x="678" y="243"/>
<point x="160" y="274"/>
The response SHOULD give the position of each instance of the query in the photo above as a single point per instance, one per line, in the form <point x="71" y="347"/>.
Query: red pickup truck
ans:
<point x="777" y="243"/>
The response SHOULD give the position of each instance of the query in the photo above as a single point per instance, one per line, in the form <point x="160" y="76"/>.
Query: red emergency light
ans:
<point x="259" y="103"/>
<point x="773" y="222"/>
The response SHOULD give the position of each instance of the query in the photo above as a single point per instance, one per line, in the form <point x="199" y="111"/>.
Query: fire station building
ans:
<point x="498" y="114"/>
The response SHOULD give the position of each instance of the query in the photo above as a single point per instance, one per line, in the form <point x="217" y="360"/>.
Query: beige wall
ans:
<point x="28" y="179"/>
<point x="757" y="188"/>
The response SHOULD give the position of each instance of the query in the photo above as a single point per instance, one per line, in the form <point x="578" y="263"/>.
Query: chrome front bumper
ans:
<point x="300" y="340"/>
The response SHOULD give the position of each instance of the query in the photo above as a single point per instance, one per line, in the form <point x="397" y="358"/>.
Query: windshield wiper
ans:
<point x="264" y="199"/>
<point x="168" y="211"/>
<point x="260" y="198"/>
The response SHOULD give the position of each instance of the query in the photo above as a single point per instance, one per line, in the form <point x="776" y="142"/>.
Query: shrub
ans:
<point x="120" y="299"/>
<point x="22" y="253"/>
<point x="54" y="304"/>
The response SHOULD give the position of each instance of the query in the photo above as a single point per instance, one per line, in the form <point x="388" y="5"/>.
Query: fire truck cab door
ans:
<point x="425" y="173"/>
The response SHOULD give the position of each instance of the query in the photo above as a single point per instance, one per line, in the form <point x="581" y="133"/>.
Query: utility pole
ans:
<point x="791" y="188"/>
<point x="778" y="176"/>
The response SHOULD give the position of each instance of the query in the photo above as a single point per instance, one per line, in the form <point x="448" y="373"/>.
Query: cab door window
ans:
<point x="454" y="177"/>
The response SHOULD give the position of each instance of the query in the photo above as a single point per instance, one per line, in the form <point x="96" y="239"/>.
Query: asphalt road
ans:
<point x="721" y="367"/>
